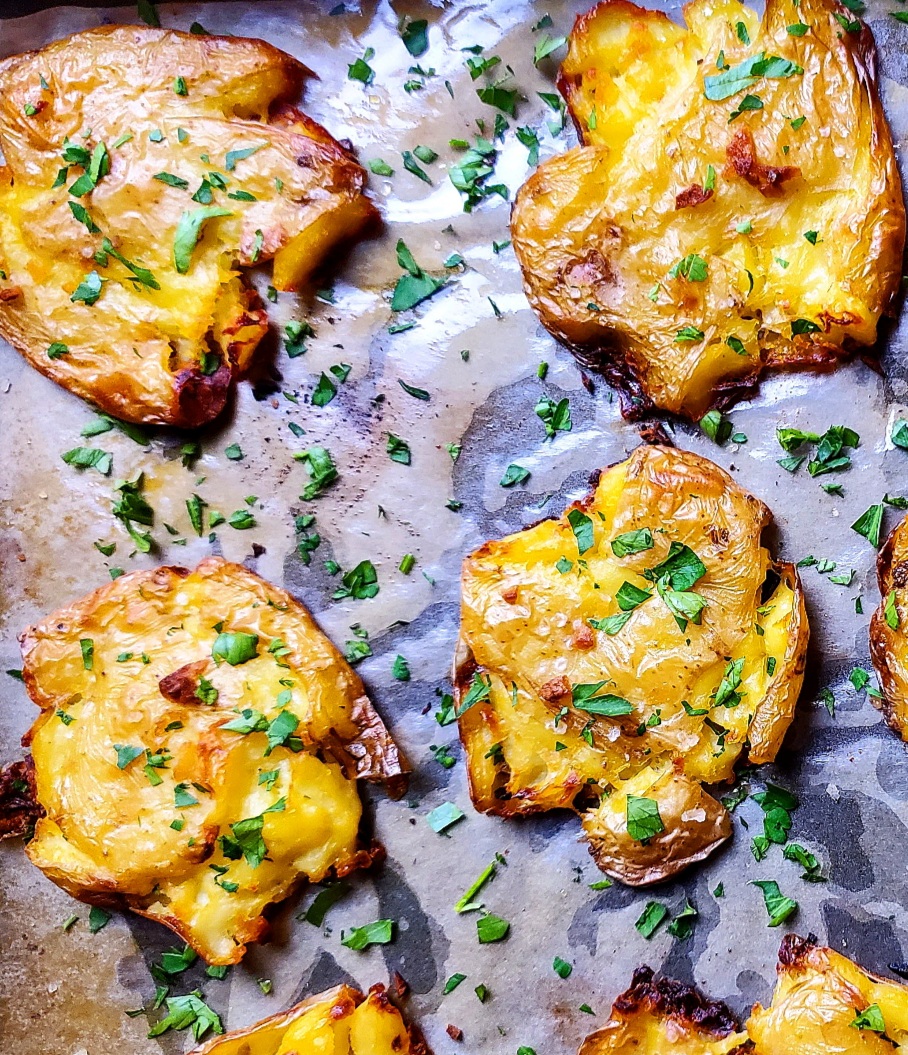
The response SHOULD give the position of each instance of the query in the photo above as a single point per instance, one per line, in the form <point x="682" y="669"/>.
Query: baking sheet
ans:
<point x="66" y="993"/>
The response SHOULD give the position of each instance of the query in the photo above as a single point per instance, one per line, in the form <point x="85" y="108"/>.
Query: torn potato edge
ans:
<point x="888" y="645"/>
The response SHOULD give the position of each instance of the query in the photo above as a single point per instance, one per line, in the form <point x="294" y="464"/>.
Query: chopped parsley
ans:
<point x="743" y="76"/>
<point x="643" y="820"/>
<point x="514" y="474"/>
<point x="381" y="932"/>
<point x="189" y="231"/>
<point x="415" y="285"/>
<point x="235" y="648"/>
<point x="556" y="417"/>
<point x="491" y="928"/>
<point x="778" y="907"/>
<point x="444" y="816"/>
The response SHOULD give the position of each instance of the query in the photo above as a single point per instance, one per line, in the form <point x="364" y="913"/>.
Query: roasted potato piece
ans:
<point x="735" y="205"/>
<point x="824" y="1004"/>
<point x="197" y="751"/>
<point x="660" y="1015"/>
<point x="888" y="647"/>
<point x="339" y="1022"/>
<point x="614" y="660"/>
<point x="820" y="1007"/>
<point x="144" y="168"/>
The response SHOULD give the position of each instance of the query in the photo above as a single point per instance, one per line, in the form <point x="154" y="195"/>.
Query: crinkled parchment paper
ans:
<point x="67" y="992"/>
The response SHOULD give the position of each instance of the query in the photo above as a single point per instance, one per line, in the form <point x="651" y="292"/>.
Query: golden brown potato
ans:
<point x="735" y="205"/>
<point x="145" y="167"/>
<point x="615" y="659"/>
<point x="824" y="1004"/>
<point x="197" y="751"/>
<point x="660" y="1015"/>
<point x="341" y="1021"/>
<point x="888" y="647"/>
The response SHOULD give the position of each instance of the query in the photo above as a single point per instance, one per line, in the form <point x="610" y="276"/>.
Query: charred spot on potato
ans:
<point x="621" y="689"/>
<point x="182" y="686"/>
<point x="823" y="1003"/>
<point x="667" y="996"/>
<point x="670" y="251"/>
<point x="555" y="689"/>
<point x="692" y="196"/>
<point x="19" y="806"/>
<point x="202" y="786"/>
<point x="742" y="162"/>
<point x="128" y="242"/>
<point x="201" y="397"/>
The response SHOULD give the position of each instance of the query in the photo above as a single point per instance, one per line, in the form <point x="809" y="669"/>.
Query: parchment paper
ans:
<point x="67" y="992"/>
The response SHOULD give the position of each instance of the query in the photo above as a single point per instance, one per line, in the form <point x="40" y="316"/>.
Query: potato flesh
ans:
<point x="647" y="1033"/>
<point x="108" y="830"/>
<point x="818" y="995"/>
<point x="130" y="352"/>
<point x="523" y="626"/>
<point x="598" y="229"/>
<point x="340" y="1022"/>
<point x="815" y="1003"/>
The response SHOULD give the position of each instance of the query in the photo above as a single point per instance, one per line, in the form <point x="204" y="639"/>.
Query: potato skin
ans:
<point x="696" y="824"/>
<point x="106" y="834"/>
<point x="529" y="633"/>
<point x="818" y="995"/>
<point x="598" y="229"/>
<point x="342" y="1020"/>
<point x="166" y="355"/>
<point x="887" y="644"/>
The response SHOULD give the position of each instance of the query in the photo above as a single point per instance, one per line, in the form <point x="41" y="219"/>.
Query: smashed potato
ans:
<point x="339" y="1022"/>
<point x="824" y="1004"/>
<point x="735" y="205"/>
<point x="660" y="1015"/>
<point x="888" y="647"/>
<point x="144" y="168"/>
<point x="197" y="751"/>
<point x="614" y="660"/>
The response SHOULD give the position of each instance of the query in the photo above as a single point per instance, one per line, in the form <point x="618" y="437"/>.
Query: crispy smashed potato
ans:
<point x="824" y="1004"/>
<point x="339" y="1022"/>
<point x="197" y="751"/>
<point x="888" y="647"/>
<point x="735" y="205"/>
<point x="660" y="1015"/>
<point x="144" y="167"/>
<point x="614" y="660"/>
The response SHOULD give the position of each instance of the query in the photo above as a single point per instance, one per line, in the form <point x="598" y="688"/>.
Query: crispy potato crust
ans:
<point x="541" y="617"/>
<point x="887" y="643"/>
<point x="791" y="213"/>
<point x="814" y="1011"/>
<point x="178" y="124"/>
<point x="341" y="1021"/>
<point x="19" y="809"/>
<point x="150" y="802"/>
<point x="658" y="1015"/>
